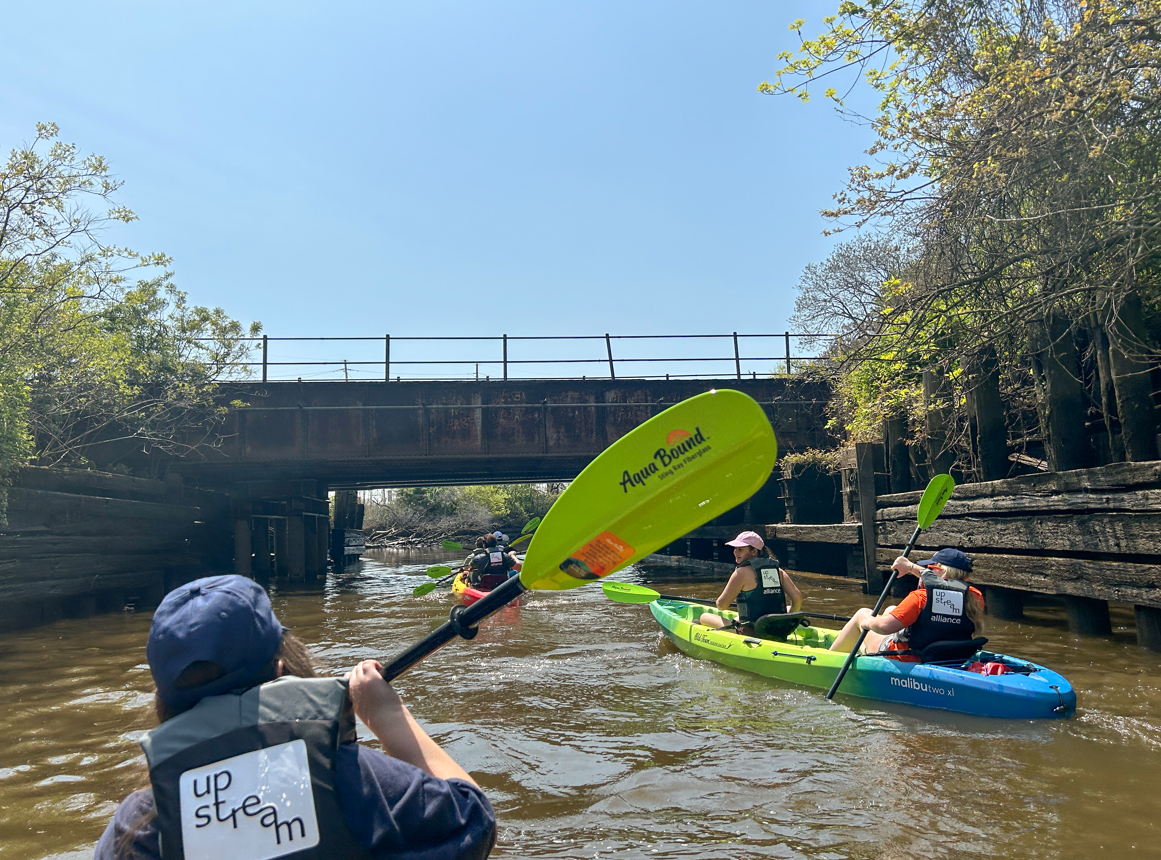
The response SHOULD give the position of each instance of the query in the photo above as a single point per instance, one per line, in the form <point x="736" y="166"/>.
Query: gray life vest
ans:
<point x="768" y="598"/>
<point x="944" y="617"/>
<point x="251" y="775"/>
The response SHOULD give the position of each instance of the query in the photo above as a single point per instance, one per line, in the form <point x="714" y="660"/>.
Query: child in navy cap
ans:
<point x="255" y="757"/>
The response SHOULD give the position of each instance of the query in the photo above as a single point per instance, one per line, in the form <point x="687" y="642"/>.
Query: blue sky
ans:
<point x="449" y="169"/>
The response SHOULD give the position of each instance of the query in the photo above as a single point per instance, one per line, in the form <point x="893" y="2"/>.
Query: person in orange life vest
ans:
<point x="906" y="626"/>
<point x="758" y="584"/>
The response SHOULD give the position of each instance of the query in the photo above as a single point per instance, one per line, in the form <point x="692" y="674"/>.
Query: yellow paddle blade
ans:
<point x="678" y="470"/>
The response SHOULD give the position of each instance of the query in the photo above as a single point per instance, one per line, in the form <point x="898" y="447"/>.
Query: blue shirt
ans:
<point x="393" y="809"/>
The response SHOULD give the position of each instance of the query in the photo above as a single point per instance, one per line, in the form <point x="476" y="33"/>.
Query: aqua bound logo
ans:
<point x="681" y="447"/>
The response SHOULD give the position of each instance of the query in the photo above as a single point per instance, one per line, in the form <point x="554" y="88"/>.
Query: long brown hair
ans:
<point x="973" y="608"/>
<point x="295" y="661"/>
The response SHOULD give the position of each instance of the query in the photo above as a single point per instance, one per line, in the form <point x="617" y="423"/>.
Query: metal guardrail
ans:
<point x="508" y="366"/>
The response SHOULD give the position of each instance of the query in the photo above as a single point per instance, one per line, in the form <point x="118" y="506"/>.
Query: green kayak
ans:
<point x="1021" y="690"/>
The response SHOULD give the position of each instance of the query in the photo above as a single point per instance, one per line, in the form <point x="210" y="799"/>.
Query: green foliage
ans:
<point x="95" y="366"/>
<point x="439" y="511"/>
<point x="793" y="465"/>
<point x="1017" y="150"/>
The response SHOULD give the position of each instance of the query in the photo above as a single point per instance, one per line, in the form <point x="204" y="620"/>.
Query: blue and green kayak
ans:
<point x="1024" y="690"/>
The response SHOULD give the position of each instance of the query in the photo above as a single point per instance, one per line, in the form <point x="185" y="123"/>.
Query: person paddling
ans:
<point x="758" y="584"/>
<point x="489" y="564"/>
<point x="255" y="757"/>
<point x="945" y="608"/>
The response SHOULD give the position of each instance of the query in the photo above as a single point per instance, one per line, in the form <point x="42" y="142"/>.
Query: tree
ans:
<point x="1017" y="142"/>
<point x="101" y="356"/>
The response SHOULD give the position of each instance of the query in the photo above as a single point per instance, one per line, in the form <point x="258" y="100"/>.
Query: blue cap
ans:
<point x="227" y="620"/>
<point x="950" y="557"/>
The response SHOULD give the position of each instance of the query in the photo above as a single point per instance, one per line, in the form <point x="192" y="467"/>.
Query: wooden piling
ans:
<point x="898" y="458"/>
<point x="1088" y="616"/>
<point x="1131" y="379"/>
<point x="262" y="564"/>
<point x="242" y="546"/>
<point x="865" y="469"/>
<point x="936" y="408"/>
<point x="1004" y="603"/>
<point x="296" y="549"/>
<point x="281" y="551"/>
<point x="1148" y="627"/>
<point x="986" y="407"/>
<point x="1061" y="398"/>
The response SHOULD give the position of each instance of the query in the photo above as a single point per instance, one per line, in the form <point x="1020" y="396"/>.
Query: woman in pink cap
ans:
<point x="758" y="585"/>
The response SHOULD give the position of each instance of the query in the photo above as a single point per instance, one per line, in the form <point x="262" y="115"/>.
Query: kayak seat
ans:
<point x="776" y="626"/>
<point x="488" y="581"/>
<point x="949" y="651"/>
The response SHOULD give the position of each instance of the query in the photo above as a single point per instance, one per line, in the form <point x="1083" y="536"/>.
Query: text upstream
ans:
<point x="666" y="461"/>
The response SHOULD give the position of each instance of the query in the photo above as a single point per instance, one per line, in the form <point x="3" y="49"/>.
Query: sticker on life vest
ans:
<point x="600" y="556"/>
<point x="946" y="602"/>
<point x="770" y="579"/>
<point x="496" y="558"/>
<point x="254" y="806"/>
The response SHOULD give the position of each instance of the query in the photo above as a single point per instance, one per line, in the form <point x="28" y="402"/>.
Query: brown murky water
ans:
<point x="595" y="738"/>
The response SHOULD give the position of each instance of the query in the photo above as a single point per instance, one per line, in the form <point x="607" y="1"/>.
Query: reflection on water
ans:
<point x="594" y="737"/>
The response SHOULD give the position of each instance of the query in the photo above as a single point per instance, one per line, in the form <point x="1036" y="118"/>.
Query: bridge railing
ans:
<point x="394" y="359"/>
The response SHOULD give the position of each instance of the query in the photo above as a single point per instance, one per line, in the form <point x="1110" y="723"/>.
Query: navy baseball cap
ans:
<point x="950" y="557"/>
<point x="227" y="620"/>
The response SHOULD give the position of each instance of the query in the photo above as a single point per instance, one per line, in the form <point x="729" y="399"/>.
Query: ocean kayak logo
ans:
<point x="681" y="448"/>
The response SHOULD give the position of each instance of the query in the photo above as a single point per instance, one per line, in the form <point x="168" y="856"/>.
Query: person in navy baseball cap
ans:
<point x="236" y="690"/>
<point x="951" y="558"/>
<point x="224" y="620"/>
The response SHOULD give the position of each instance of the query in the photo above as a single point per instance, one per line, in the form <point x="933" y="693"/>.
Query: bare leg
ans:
<point x="709" y="619"/>
<point x="849" y="635"/>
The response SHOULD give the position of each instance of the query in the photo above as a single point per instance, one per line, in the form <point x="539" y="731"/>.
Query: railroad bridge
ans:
<point x="376" y="434"/>
<point x="294" y="442"/>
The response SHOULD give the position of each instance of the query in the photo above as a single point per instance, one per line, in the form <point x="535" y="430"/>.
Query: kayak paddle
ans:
<point x="681" y="468"/>
<point x="624" y="592"/>
<point x="450" y="544"/>
<point x="938" y="491"/>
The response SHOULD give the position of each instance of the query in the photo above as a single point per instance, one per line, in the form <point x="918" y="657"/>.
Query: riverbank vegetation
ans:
<point x="103" y="360"/>
<point x="1005" y="259"/>
<point x="422" y="515"/>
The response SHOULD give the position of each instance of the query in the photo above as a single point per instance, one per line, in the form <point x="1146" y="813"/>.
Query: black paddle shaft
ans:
<point x="879" y="605"/>
<point x="462" y="623"/>
<point x="714" y="603"/>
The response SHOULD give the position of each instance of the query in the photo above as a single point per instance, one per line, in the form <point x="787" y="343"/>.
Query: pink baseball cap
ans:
<point x="748" y="539"/>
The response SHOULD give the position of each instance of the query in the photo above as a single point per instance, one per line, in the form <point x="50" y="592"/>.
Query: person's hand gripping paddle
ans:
<point x="934" y="498"/>
<point x="681" y="468"/>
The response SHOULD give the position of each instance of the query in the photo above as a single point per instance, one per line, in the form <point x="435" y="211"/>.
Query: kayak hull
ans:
<point x="469" y="595"/>
<point x="1029" y="691"/>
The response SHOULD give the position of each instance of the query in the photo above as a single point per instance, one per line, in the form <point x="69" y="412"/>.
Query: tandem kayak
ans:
<point x="1024" y="690"/>
<point x="467" y="593"/>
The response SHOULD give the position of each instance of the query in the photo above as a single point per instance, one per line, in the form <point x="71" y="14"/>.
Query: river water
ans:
<point x="594" y="737"/>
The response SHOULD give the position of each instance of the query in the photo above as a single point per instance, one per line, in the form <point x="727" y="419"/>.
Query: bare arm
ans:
<point x="791" y="591"/>
<point x="732" y="590"/>
<point x="379" y="706"/>
<point x="885" y="624"/>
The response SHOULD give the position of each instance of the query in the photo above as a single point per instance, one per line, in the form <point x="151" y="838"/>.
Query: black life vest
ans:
<point x="252" y="775"/>
<point x="767" y="598"/>
<point x="944" y="617"/>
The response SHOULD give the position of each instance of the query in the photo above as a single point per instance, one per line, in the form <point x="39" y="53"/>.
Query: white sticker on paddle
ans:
<point x="254" y="806"/>
<point x="946" y="602"/>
